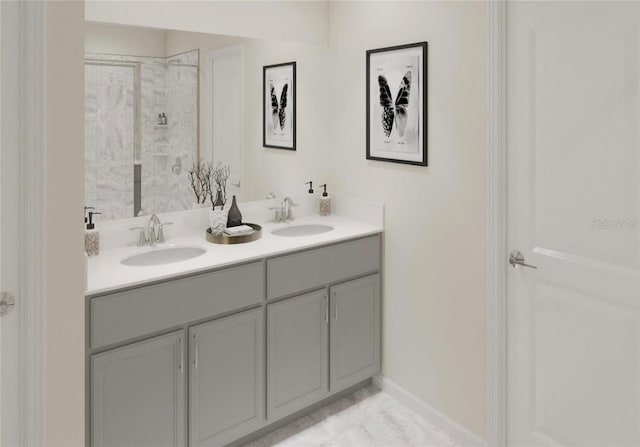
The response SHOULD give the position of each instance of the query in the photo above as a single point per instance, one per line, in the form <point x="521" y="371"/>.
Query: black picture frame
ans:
<point x="291" y="108"/>
<point x="422" y="120"/>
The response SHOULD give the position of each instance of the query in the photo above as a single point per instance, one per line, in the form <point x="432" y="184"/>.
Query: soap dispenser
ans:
<point x="91" y="236"/>
<point x="325" y="202"/>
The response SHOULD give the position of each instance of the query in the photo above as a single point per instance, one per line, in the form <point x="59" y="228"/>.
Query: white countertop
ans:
<point x="107" y="274"/>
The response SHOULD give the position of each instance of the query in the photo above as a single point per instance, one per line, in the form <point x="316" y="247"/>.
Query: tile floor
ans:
<point x="366" y="418"/>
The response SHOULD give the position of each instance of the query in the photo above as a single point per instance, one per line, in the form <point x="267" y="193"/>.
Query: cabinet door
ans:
<point x="138" y="394"/>
<point x="297" y="342"/>
<point x="227" y="378"/>
<point x="355" y="331"/>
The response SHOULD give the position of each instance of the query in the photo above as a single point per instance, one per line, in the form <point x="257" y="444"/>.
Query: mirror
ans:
<point x="148" y="114"/>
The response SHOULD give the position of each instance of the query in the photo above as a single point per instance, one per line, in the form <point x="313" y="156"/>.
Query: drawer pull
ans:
<point x="181" y="356"/>
<point x="335" y="309"/>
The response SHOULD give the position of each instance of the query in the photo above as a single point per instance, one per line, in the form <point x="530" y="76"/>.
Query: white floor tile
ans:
<point x="367" y="418"/>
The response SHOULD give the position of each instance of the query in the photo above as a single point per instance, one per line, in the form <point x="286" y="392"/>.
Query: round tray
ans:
<point x="237" y="239"/>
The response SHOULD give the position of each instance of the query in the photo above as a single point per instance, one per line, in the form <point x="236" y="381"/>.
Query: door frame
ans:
<point x="209" y="59"/>
<point x="30" y="32"/>
<point x="497" y="224"/>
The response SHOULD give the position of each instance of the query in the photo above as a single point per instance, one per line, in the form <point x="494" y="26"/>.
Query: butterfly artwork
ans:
<point x="279" y="106"/>
<point x="396" y="120"/>
<point x="278" y="109"/>
<point x="395" y="111"/>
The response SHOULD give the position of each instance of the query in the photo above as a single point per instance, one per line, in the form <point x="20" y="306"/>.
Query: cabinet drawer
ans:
<point x="125" y="315"/>
<point x="305" y="270"/>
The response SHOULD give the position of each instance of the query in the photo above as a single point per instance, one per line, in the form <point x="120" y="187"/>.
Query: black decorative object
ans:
<point x="279" y="106"/>
<point x="235" y="216"/>
<point x="397" y="119"/>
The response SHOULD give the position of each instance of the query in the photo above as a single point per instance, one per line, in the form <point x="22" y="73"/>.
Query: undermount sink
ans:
<point x="302" y="230"/>
<point x="164" y="256"/>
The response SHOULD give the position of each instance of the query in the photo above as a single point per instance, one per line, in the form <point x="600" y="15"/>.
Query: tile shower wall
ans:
<point x="182" y="134"/>
<point x="109" y="139"/>
<point x="112" y="146"/>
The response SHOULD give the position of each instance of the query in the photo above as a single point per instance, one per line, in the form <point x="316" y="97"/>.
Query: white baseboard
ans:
<point x="458" y="434"/>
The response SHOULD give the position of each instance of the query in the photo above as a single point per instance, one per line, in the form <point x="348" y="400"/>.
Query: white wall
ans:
<point x="181" y="41"/>
<point x="434" y="252"/>
<point x="64" y="374"/>
<point x="129" y="40"/>
<point x="304" y="21"/>
<point x="272" y="170"/>
<point x="281" y="171"/>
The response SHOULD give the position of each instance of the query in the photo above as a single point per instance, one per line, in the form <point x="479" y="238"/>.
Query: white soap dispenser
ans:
<point x="325" y="202"/>
<point x="91" y="237"/>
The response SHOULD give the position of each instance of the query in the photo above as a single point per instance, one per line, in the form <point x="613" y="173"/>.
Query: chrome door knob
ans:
<point x="7" y="303"/>
<point x="517" y="258"/>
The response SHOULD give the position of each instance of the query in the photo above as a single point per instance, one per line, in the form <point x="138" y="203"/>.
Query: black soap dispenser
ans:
<point x="325" y="202"/>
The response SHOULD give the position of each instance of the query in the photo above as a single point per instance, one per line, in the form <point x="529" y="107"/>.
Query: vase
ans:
<point x="235" y="216"/>
<point x="218" y="220"/>
<point x="219" y="201"/>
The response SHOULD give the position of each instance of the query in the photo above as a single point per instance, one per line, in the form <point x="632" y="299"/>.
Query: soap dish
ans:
<point x="228" y="239"/>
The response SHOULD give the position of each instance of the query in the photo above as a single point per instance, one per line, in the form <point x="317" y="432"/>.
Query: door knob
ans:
<point x="7" y="303"/>
<point x="517" y="258"/>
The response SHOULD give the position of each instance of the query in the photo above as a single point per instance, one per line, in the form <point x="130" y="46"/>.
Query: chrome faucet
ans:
<point x="153" y="233"/>
<point x="284" y="212"/>
<point x="153" y="227"/>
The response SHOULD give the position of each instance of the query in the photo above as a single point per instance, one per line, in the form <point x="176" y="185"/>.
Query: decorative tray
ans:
<point x="236" y="239"/>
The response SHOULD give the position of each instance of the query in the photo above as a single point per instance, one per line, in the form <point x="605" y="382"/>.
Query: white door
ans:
<point x="224" y="83"/>
<point x="9" y="409"/>
<point x="574" y="212"/>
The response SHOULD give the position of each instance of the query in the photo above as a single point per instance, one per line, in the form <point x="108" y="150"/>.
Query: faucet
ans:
<point x="153" y="227"/>
<point x="284" y="212"/>
<point x="153" y="233"/>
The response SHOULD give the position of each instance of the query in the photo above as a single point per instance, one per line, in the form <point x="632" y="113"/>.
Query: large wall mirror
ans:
<point x="156" y="102"/>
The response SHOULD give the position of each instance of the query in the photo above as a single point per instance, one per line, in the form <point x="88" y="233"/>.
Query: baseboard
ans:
<point x="458" y="434"/>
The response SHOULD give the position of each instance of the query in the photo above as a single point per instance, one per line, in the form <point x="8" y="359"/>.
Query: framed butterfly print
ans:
<point x="279" y="106"/>
<point x="397" y="104"/>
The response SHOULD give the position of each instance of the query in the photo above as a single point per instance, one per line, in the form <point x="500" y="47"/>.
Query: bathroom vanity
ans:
<point x="191" y="343"/>
<point x="216" y="355"/>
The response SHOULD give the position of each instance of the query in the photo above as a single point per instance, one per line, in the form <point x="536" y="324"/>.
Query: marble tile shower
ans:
<point x="109" y="138"/>
<point x="123" y="97"/>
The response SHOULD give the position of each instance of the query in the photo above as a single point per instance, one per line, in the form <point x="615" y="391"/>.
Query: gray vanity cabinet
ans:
<point x="138" y="394"/>
<point x="318" y="308"/>
<point x="355" y="331"/>
<point x="226" y="378"/>
<point x="297" y="347"/>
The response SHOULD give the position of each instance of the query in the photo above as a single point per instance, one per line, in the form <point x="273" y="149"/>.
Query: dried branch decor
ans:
<point x="198" y="179"/>
<point x="219" y="177"/>
<point x="210" y="182"/>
